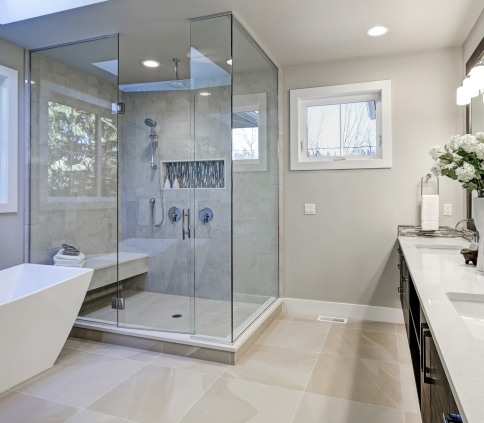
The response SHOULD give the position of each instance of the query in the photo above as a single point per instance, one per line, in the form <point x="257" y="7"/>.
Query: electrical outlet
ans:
<point x="309" y="208"/>
<point x="447" y="209"/>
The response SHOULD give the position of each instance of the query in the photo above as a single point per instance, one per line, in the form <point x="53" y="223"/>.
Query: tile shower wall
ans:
<point x="139" y="183"/>
<point x="87" y="222"/>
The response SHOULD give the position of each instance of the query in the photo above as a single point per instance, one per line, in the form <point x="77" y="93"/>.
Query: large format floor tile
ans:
<point x="373" y="345"/>
<point x="155" y="394"/>
<point x="300" y="371"/>
<point x="68" y="354"/>
<point x="87" y="416"/>
<point x="317" y="408"/>
<point x="371" y="325"/>
<point x="274" y="366"/>
<point x="403" y="350"/>
<point x="413" y="418"/>
<point x="357" y="379"/>
<point x="295" y="335"/>
<point x="20" y="408"/>
<point x="409" y="391"/>
<point x="80" y="381"/>
<point x="234" y="401"/>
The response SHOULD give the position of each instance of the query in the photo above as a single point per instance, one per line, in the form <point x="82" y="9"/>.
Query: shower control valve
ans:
<point x="174" y="214"/>
<point x="205" y="215"/>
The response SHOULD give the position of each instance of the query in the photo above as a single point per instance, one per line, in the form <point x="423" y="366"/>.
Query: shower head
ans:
<point x="176" y="83"/>
<point x="151" y="123"/>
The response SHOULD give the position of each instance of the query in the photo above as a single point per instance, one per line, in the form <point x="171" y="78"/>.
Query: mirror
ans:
<point x="474" y="111"/>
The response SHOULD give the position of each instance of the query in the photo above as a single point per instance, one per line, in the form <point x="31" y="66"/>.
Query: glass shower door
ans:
<point x="155" y="250"/>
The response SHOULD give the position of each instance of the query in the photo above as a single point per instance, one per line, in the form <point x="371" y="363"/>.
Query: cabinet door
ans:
<point x="440" y="391"/>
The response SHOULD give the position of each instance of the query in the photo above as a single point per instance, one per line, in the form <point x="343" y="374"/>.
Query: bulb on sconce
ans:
<point x="470" y="89"/>
<point x="462" y="97"/>
<point x="477" y="76"/>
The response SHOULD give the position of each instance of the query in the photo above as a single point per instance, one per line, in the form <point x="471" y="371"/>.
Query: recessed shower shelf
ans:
<point x="203" y="174"/>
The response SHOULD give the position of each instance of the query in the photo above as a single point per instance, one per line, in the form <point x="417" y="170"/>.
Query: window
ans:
<point x="341" y="127"/>
<point x="78" y="148"/>
<point x="82" y="152"/>
<point x="245" y="135"/>
<point x="8" y="140"/>
<point x="249" y="132"/>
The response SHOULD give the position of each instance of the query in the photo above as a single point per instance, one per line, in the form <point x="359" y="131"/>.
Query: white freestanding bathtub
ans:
<point x="38" y="307"/>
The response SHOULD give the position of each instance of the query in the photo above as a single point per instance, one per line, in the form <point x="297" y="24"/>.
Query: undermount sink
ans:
<point x="471" y="310"/>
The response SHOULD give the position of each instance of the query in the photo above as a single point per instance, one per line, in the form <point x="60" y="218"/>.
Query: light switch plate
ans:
<point x="447" y="209"/>
<point x="309" y="208"/>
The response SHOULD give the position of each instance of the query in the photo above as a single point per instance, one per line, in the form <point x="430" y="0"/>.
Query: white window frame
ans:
<point x="302" y="98"/>
<point x="9" y="140"/>
<point x="250" y="102"/>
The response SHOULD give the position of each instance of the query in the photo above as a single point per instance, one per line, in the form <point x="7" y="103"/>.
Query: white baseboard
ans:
<point x="353" y="311"/>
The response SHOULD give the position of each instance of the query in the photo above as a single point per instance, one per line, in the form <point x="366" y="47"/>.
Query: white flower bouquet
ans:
<point x="462" y="159"/>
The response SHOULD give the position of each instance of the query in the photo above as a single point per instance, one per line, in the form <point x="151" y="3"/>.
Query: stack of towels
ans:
<point x="70" y="256"/>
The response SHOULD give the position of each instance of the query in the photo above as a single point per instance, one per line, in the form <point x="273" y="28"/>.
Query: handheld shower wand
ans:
<point x="154" y="139"/>
<point x="154" y="144"/>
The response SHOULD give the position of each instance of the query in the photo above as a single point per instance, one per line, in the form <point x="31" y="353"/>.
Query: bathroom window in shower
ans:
<point x="249" y="132"/>
<point x="81" y="153"/>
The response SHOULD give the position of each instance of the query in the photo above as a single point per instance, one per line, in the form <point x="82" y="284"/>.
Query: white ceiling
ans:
<point x="291" y="31"/>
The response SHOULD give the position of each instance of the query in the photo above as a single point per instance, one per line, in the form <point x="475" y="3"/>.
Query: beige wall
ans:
<point x="474" y="38"/>
<point x="12" y="224"/>
<point x="346" y="252"/>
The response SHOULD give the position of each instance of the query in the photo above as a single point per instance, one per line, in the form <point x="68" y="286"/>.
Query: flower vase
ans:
<point x="478" y="215"/>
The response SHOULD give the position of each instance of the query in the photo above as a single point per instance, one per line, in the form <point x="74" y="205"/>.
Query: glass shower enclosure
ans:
<point x="169" y="187"/>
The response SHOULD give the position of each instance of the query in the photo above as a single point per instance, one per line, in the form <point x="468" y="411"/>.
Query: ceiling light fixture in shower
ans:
<point x="229" y="62"/>
<point x="150" y="63"/>
<point x="177" y="83"/>
<point x="204" y="93"/>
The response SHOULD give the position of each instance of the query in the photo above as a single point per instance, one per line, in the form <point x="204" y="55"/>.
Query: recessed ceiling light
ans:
<point x="204" y="93"/>
<point x="376" y="31"/>
<point x="150" y="63"/>
<point x="229" y="62"/>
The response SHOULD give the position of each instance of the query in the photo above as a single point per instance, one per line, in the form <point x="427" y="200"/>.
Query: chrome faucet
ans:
<point x="475" y="232"/>
<point x="471" y="221"/>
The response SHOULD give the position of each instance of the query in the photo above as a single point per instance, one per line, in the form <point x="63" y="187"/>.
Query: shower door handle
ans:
<point x="187" y="215"/>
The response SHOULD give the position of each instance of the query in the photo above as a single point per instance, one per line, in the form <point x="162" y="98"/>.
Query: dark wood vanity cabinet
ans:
<point x="435" y="396"/>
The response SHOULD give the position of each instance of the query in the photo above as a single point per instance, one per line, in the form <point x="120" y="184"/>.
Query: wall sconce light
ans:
<point x="462" y="98"/>
<point x="472" y="85"/>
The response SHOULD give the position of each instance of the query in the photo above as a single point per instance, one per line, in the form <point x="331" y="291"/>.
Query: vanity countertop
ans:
<point x="435" y="273"/>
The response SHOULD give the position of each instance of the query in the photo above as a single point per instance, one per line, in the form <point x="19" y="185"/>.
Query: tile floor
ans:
<point x="299" y="370"/>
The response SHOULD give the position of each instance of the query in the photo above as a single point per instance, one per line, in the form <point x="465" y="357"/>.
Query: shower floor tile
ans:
<point x="153" y="310"/>
<point x="98" y="383"/>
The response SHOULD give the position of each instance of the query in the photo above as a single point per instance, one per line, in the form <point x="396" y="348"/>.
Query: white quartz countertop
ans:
<point x="436" y="272"/>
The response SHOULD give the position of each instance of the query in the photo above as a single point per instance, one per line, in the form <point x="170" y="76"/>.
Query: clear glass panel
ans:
<point x="156" y="202"/>
<point x="255" y="181"/>
<point x="74" y="148"/>
<point x="212" y="97"/>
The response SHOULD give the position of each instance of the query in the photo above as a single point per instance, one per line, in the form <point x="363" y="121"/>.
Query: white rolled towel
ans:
<point x="430" y="212"/>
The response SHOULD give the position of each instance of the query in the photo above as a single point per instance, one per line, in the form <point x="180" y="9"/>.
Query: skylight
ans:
<point x="19" y="10"/>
